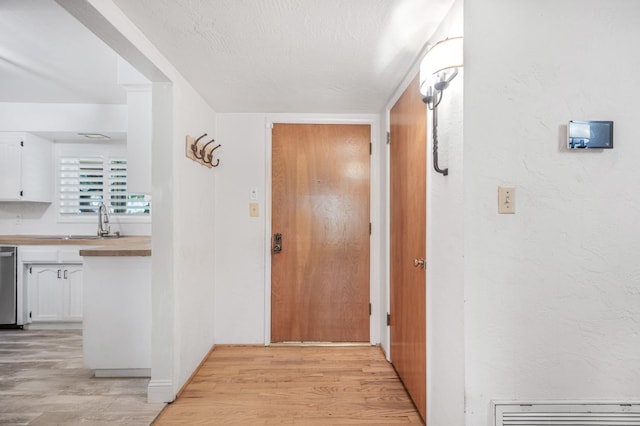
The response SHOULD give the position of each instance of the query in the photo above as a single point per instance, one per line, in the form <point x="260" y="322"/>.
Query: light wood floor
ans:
<point x="293" y="386"/>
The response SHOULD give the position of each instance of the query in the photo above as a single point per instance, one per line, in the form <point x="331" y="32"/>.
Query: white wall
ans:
<point x="139" y="126"/>
<point x="552" y="297"/>
<point x="43" y="218"/>
<point x="193" y="233"/>
<point x="242" y="253"/>
<point x="62" y="120"/>
<point x="59" y="118"/>
<point x="240" y="239"/>
<point x="445" y="249"/>
<point x="184" y="216"/>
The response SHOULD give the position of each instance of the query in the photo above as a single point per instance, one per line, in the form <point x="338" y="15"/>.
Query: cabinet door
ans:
<point x="26" y="169"/>
<point x="72" y="292"/>
<point x="10" y="170"/>
<point x="46" y="292"/>
<point x="37" y="169"/>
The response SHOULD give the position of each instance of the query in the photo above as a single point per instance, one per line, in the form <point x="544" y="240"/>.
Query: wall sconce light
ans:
<point x="437" y="69"/>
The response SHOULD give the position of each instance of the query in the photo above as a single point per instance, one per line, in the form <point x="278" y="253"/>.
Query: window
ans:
<point x="85" y="182"/>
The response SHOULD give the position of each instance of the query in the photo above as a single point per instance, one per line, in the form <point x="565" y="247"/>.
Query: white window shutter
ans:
<point x="85" y="182"/>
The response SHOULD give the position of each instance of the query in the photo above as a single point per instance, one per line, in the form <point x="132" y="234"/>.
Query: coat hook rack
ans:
<point x="198" y="152"/>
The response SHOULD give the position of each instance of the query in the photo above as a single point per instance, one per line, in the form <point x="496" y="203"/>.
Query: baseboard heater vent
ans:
<point x="551" y="413"/>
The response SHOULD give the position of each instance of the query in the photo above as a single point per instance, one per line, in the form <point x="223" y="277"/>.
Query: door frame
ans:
<point x="375" y="182"/>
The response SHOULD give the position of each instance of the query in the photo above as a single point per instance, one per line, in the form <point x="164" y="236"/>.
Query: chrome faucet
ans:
<point x="103" y="220"/>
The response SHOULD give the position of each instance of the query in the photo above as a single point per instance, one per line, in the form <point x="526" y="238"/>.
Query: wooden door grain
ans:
<point x="408" y="242"/>
<point x="320" y="206"/>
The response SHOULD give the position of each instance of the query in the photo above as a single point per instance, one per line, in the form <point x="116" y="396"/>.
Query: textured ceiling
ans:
<point x="46" y="55"/>
<point x="315" y="56"/>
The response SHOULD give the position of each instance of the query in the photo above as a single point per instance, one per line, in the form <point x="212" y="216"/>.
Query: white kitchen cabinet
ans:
<point x="40" y="264"/>
<point x="55" y="292"/>
<point x="26" y="167"/>
<point x="46" y="293"/>
<point x="72" y="293"/>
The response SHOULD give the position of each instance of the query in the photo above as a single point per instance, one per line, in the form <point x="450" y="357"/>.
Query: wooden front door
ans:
<point x="320" y="209"/>
<point x="408" y="243"/>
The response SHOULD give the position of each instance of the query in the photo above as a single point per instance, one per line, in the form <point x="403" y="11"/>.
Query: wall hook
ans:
<point x="210" y="157"/>
<point x="194" y="148"/>
<point x="198" y="152"/>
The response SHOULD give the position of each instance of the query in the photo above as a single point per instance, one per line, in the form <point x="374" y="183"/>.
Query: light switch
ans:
<point x="253" y="194"/>
<point x="506" y="200"/>
<point x="254" y="210"/>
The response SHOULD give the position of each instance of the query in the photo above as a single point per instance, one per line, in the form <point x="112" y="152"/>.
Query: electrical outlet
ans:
<point x="253" y="194"/>
<point x="506" y="200"/>
<point x="18" y="219"/>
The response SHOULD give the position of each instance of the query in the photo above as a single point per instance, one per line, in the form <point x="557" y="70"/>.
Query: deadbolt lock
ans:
<point x="277" y="243"/>
<point x="419" y="263"/>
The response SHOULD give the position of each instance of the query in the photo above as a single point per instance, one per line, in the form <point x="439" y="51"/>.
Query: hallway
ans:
<point x="242" y="385"/>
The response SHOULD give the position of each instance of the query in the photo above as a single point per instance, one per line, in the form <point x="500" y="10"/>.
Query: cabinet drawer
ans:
<point x="50" y="254"/>
<point x="70" y="255"/>
<point x="38" y="255"/>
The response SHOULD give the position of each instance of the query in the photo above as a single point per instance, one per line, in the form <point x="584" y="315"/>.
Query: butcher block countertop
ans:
<point x="132" y="249"/>
<point x="139" y="245"/>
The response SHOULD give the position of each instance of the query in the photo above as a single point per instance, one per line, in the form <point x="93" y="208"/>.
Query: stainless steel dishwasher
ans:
<point x="8" y="286"/>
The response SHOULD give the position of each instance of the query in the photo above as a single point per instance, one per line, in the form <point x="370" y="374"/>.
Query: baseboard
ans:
<point x="160" y="391"/>
<point x="123" y="372"/>
<point x="54" y="325"/>
<point x="206" y="357"/>
<point x="320" y="344"/>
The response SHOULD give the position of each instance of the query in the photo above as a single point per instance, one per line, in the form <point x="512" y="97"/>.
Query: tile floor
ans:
<point x="43" y="382"/>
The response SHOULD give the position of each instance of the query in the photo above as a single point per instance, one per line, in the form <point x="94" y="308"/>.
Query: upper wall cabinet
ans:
<point x="26" y="170"/>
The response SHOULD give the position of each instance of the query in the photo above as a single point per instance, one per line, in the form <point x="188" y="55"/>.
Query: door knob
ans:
<point x="419" y="263"/>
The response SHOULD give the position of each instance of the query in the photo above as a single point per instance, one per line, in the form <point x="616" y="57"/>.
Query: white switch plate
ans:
<point x="253" y="194"/>
<point x="506" y="200"/>
<point x="254" y="210"/>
